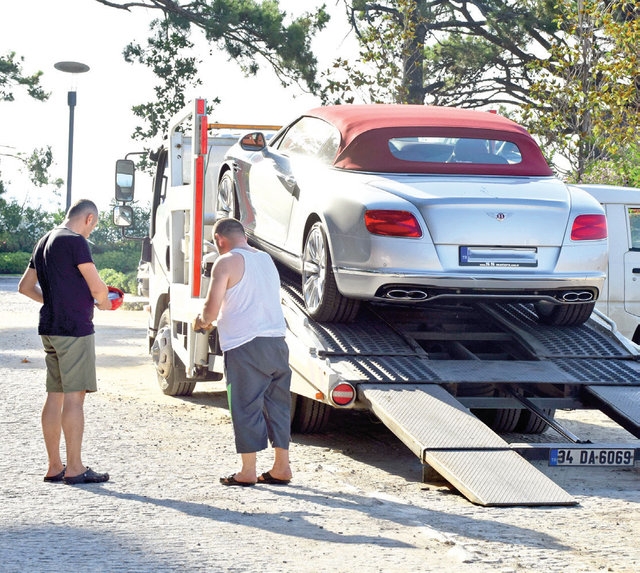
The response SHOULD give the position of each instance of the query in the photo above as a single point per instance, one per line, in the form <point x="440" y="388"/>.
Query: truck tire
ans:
<point x="309" y="417"/>
<point x="529" y="423"/>
<point x="171" y="373"/>
<point x="499" y="420"/>
<point x="322" y="299"/>
<point x="564" y="314"/>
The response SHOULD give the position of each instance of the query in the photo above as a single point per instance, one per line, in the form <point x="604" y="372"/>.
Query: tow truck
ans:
<point x="448" y="380"/>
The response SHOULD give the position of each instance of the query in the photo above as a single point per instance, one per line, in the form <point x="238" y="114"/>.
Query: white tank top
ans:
<point x="251" y="308"/>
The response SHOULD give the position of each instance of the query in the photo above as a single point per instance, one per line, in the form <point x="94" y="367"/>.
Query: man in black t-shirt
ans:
<point x="62" y="276"/>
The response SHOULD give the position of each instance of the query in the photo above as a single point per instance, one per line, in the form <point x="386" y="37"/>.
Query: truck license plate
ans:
<point x="591" y="457"/>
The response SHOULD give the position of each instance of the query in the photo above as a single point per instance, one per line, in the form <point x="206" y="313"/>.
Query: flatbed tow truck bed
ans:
<point x="432" y="374"/>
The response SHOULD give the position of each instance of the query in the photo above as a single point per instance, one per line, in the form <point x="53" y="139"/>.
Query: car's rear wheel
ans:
<point x="226" y="199"/>
<point x="322" y="299"/>
<point x="564" y="314"/>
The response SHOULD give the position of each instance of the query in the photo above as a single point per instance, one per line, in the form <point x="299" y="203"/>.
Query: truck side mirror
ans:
<point x="125" y="180"/>
<point x="123" y="216"/>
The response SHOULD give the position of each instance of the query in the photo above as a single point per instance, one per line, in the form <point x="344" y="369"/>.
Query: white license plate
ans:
<point x="591" y="457"/>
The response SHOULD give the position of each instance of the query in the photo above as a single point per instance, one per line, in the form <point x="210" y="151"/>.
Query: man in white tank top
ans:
<point x="244" y="299"/>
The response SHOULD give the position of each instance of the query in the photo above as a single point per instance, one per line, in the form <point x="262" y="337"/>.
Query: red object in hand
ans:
<point x="116" y="296"/>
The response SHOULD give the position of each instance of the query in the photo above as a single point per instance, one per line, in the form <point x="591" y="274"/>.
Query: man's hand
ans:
<point x="200" y="326"/>
<point x="103" y="305"/>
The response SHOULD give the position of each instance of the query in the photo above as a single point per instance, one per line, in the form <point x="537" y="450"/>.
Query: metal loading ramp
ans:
<point x="620" y="403"/>
<point x="462" y="449"/>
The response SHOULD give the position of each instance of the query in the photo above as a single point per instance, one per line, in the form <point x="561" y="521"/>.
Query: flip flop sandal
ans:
<point x="266" y="477"/>
<point x="231" y="480"/>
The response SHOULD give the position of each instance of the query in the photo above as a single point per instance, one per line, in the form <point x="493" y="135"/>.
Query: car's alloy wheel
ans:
<point x="226" y="203"/>
<point x="322" y="299"/>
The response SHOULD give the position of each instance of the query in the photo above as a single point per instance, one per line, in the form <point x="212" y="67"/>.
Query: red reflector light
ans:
<point x="392" y="223"/>
<point x="589" y="228"/>
<point x="343" y="394"/>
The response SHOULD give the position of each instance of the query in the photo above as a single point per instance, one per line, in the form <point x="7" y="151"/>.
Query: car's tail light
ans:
<point x="589" y="228"/>
<point x="392" y="223"/>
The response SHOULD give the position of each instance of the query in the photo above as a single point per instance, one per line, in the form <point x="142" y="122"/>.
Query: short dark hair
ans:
<point x="82" y="207"/>
<point x="227" y="227"/>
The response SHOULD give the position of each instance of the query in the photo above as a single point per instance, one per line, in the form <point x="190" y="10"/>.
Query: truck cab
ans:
<point x="178" y="253"/>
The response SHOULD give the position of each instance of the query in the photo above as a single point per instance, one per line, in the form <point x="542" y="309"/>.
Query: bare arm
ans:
<point x="29" y="286"/>
<point x="226" y="272"/>
<point x="96" y="285"/>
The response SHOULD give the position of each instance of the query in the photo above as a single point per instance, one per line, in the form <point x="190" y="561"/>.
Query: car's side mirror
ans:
<point x="255" y="141"/>
<point x="125" y="180"/>
<point x="123" y="216"/>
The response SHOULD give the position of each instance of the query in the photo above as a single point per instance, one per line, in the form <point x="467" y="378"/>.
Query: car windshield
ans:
<point x="454" y="150"/>
<point x="310" y="137"/>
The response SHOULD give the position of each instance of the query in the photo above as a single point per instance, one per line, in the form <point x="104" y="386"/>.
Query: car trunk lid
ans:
<point x="501" y="213"/>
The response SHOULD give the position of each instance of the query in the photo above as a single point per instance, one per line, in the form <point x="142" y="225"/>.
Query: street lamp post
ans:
<point x="71" y="68"/>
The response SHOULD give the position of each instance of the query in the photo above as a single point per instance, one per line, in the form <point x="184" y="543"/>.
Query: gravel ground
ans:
<point x="356" y="501"/>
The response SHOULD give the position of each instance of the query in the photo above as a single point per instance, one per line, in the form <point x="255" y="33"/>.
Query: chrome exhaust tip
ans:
<point x="402" y="294"/>
<point x="577" y="296"/>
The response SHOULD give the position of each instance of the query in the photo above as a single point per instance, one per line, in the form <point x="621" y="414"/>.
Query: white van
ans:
<point x="620" y="299"/>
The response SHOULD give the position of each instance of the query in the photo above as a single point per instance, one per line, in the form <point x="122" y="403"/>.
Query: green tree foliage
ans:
<point x="37" y="162"/>
<point x="12" y="77"/>
<point x="464" y="53"/>
<point x="586" y="100"/>
<point x="111" y="249"/>
<point x="251" y="32"/>
<point x="21" y="226"/>
<point x="570" y="65"/>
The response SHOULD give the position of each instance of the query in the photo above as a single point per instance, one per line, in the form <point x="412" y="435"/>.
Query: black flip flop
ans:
<point x="266" y="477"/>
<point x="231" y="480"/>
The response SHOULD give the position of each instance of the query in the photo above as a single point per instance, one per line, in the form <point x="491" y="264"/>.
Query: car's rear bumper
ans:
<point x="413" y="287"/>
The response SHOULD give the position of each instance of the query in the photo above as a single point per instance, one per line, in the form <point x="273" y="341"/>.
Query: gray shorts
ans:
<point x="71" y="363"/>
<point x="259" y="392"/>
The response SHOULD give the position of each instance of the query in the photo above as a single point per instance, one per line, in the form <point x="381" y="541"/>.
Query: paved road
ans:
<point x="356" y="501"/>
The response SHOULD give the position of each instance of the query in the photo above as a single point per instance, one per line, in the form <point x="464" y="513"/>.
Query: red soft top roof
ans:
<point x="366" y="130"/>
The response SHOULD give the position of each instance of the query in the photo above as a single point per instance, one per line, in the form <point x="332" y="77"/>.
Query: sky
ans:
<point x="45" y="32"/>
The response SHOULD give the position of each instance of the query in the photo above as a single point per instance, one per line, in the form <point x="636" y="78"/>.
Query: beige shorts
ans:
<point x="71" y="363"/>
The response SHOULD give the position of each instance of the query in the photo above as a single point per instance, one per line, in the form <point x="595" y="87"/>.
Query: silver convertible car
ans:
<point x="414" y="204"/>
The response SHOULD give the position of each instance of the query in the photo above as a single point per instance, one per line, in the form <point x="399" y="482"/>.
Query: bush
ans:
<point x="132" y="283"/>
<point x="125" y="262"/>
<point x="14" y="263"/>
<point x="125" y="282"/>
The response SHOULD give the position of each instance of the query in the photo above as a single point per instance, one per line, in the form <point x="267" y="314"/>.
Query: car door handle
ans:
<point x="289" y="182"/>
<point x="636" y="271"/>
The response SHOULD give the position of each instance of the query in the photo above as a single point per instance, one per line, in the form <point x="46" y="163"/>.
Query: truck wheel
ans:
<point x="310" y="417"/>
<point x="226" y="201"/>
<point x="499" y="420"/>
<point x="529" y="423"/>
<point x="171" y="373"/>
<point x="564" y="314"/>
<point x="322" y="299"/>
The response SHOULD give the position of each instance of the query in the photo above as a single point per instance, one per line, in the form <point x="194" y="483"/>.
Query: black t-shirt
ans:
<point x="68" y="303"/>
